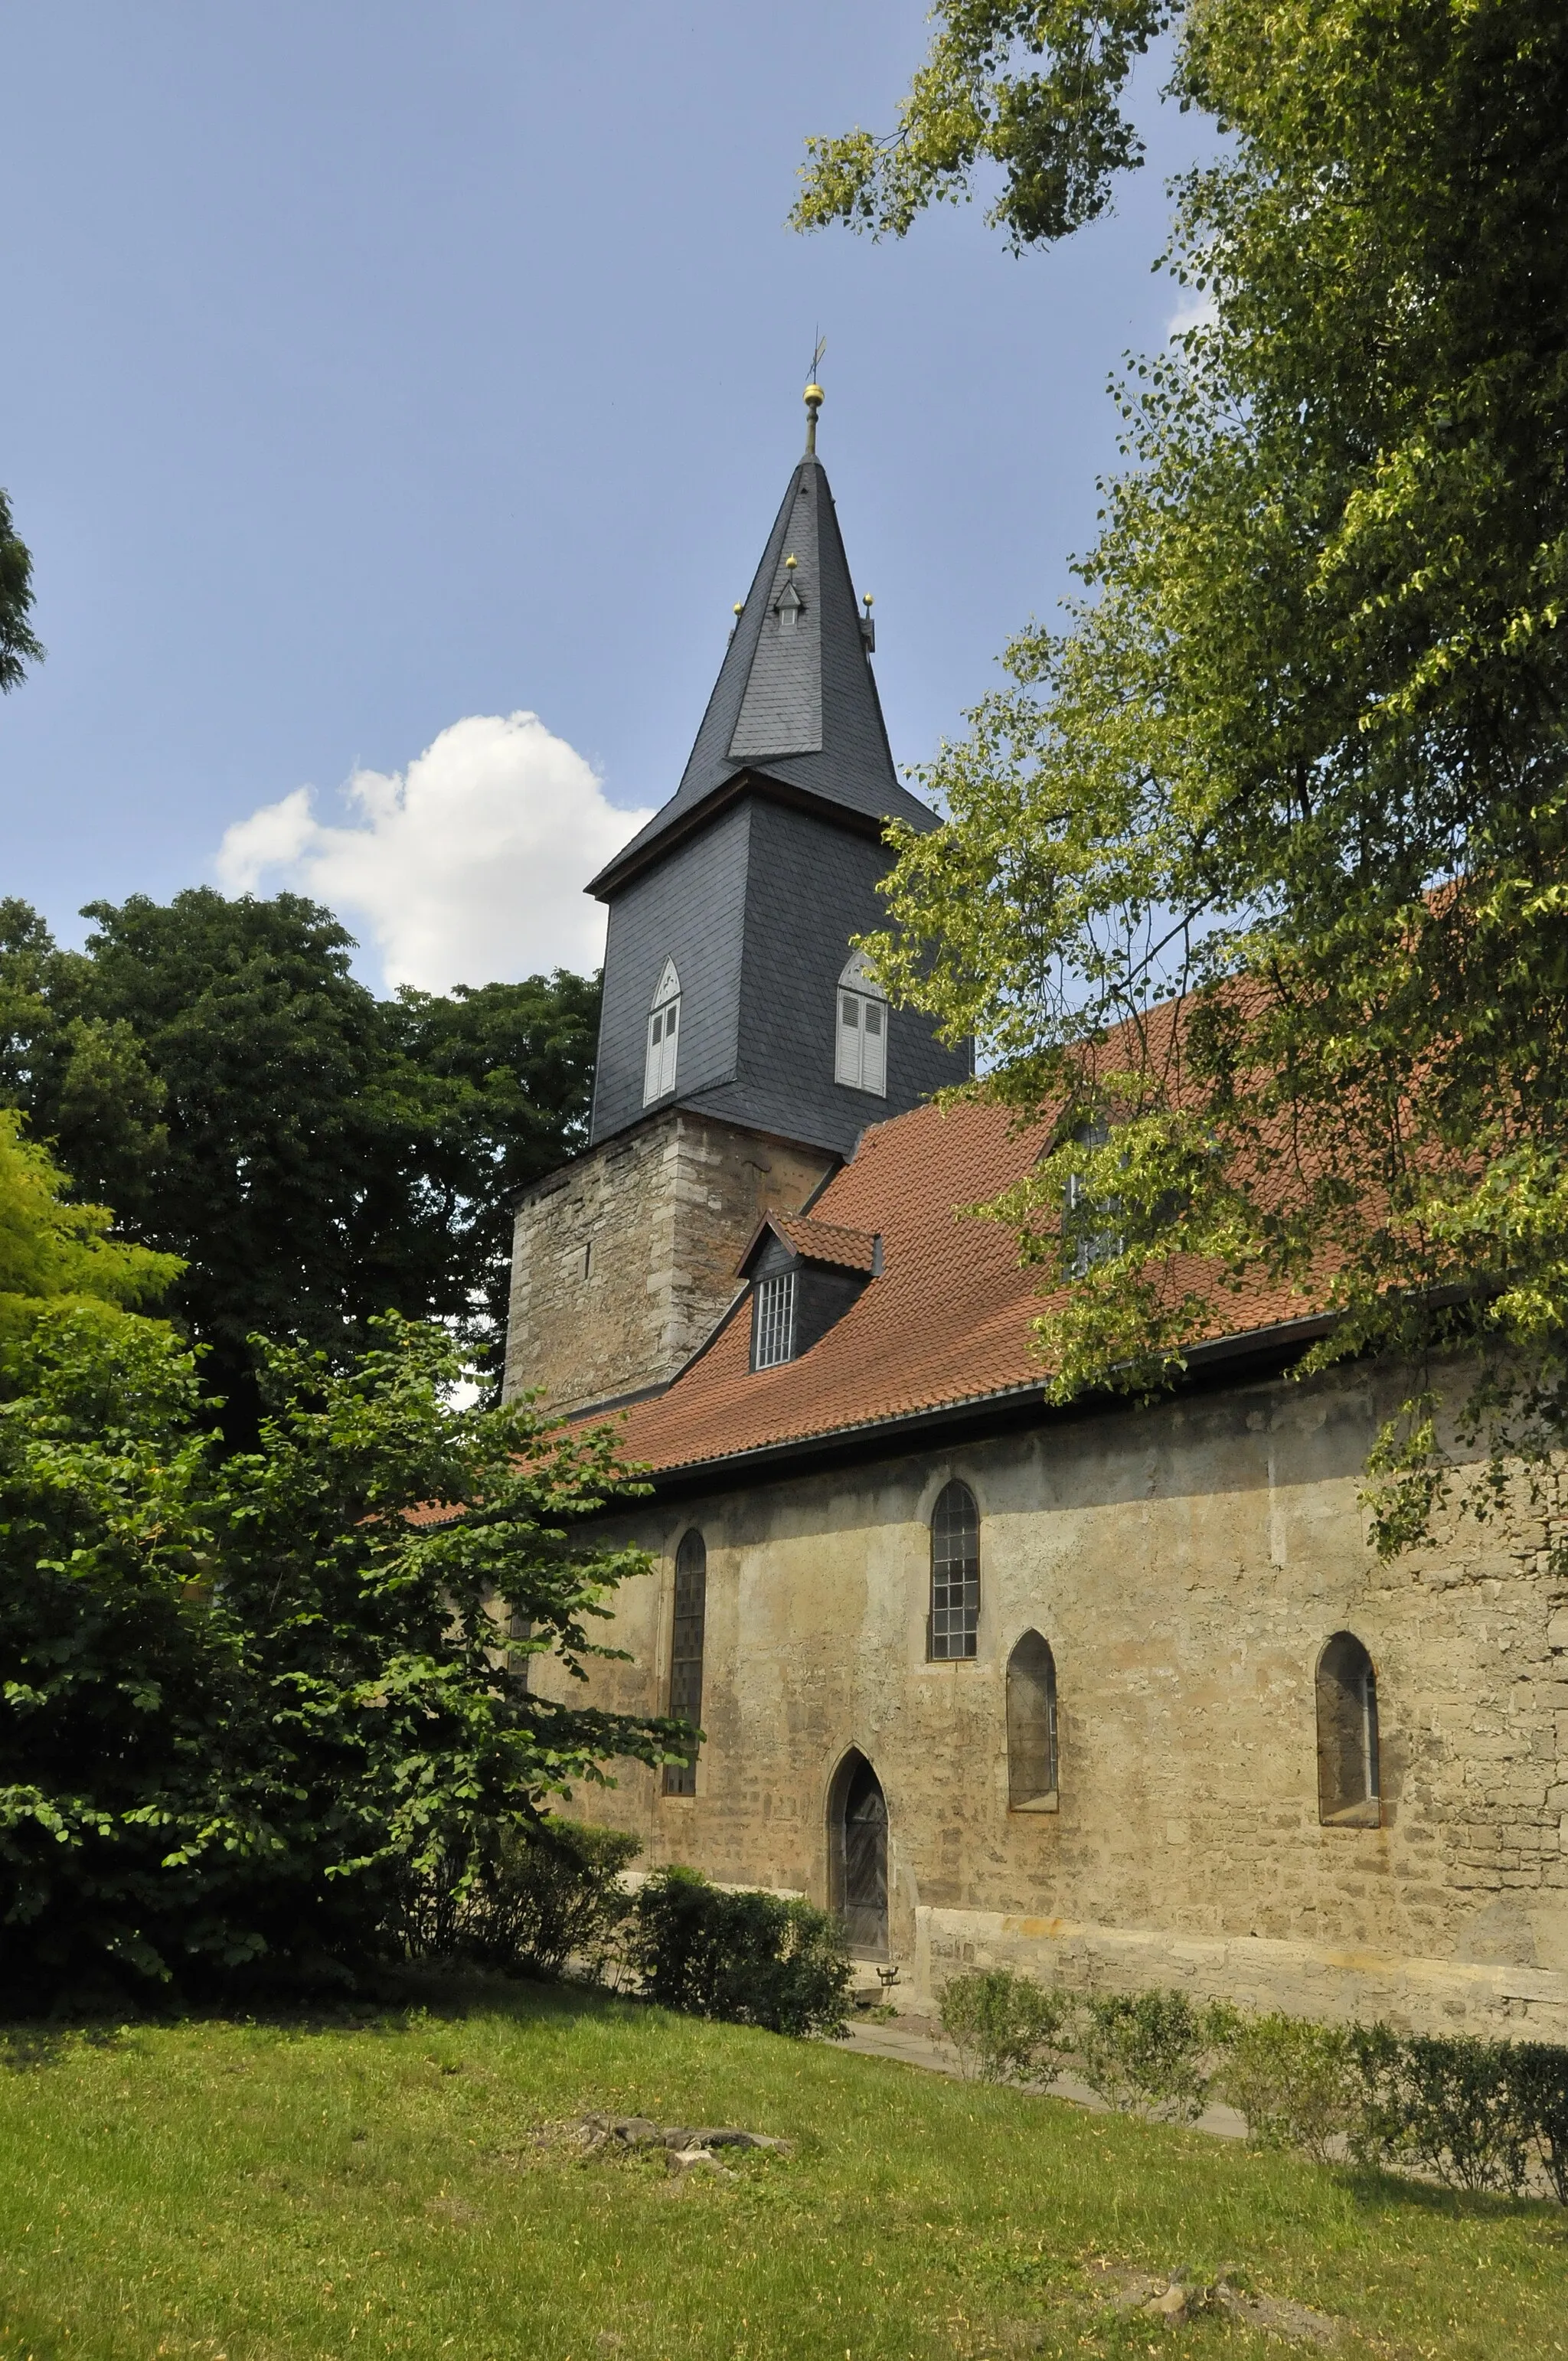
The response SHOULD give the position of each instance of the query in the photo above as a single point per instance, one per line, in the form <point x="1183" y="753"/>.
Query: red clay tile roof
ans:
<point x="819" y="1241"/>
<point x="948" y="1322"/>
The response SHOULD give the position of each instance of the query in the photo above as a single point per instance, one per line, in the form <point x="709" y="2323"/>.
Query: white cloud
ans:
<point x="467" y="868"/>
<point x="1197" y="309"/>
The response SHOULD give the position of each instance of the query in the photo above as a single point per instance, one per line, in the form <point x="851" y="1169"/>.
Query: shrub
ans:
<point x="1005" y="2028"/>
<point x="1295" y="2082"/>
<point x="1538" y="2074"/>
<point x="1153" y="2051"/>
<point x="539" y="1898"/>
<point x="1445" y="2104"/>
<point x="747" y="1958"/>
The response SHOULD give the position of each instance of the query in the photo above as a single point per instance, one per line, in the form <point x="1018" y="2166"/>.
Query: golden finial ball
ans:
<point x="815" y="393"/>
<point x="792" y="561"/>
<point x="739" y="607"/>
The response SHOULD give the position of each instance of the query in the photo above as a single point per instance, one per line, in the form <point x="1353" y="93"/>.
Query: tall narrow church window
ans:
<point x="1031" y="1725"/>
<point x="1347" y="1735"/>
<point x="953" y="1625"/>
<point x="685" y="1653"/>
<point x="860" y="1058"/>
<point x="664" y="1037"/>
<point x="772" y="1321"/>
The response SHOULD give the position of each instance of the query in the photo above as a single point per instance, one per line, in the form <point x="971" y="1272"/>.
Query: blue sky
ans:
<point x="373" y="367"/>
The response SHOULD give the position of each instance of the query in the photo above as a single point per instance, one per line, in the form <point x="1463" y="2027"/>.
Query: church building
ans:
<point x="1118" y="1696"/>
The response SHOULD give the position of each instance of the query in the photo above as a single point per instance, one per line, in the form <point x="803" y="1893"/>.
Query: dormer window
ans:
<point x="1091" y="1241"/>
<point x="788" y="607"/>
<point x="861" y="1056"/>
<point x="805" y="1275"/>
<point x="773" y="1322"/>
<point x="664" y="1037"/>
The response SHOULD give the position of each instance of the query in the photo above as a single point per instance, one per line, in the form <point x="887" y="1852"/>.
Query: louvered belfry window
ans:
<point x="772" y="1321"/>
<point x="860" y="1054"/>
<point x="685" y="1653"/>
<point x="953" y="1625"/>
<point x="664" y="1037"/>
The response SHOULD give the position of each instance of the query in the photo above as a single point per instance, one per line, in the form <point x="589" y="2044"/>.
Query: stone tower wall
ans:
<point x="623" y="1261"/>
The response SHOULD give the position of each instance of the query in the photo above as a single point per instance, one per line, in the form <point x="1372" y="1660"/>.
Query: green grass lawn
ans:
<point x="251" y="2193"/>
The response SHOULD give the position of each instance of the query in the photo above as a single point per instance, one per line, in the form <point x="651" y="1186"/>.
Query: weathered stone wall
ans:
<point x="1186" y="1564"/>
<point x="623" y="1261"/>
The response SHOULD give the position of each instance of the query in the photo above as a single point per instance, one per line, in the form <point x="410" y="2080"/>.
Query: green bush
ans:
<point x="1445" y="2104"/>
<point x="748" y="1958"/>
<point x="539" y="1898"/>
<point x="1295" y="2082"/>
<point x="1153" y="2050"/>
<point x="1539" y="2073"/>
<point x="1005" y="2028"/>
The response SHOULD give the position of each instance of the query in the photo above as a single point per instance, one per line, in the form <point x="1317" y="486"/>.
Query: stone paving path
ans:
<point x="914" y="2041"/>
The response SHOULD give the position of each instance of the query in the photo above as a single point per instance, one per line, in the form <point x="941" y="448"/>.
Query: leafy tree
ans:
<point x="313" y="1154"/>
<point x="19" y="648"/>
<point x="1299" y="760"/>
<point x="507" y="1070"/>
<point x="247" y="1703"/>
<point x="54" y="1252"/>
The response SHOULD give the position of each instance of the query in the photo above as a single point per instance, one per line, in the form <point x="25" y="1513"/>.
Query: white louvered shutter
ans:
<point x="873" y="1047"/>
<point x="670" y="1047"/>
<point x="847" y="1067"/>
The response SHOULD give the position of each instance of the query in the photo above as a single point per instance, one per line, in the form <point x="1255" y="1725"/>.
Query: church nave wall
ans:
<point x="1187" y="1565"/>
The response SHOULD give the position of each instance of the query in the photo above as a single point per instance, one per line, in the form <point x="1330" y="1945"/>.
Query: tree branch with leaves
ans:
<point x="1261" y="860"/>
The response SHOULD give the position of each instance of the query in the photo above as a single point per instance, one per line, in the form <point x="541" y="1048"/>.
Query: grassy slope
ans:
<point x="278" y="2195"/>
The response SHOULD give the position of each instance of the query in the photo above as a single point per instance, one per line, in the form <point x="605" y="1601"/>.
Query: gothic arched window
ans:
<point x="663" y="1029"/>
<point x="861" y="1056"/>
<point x="1031" y="1725"/>
<point x="954" y="1620"/>
<point x="1347" y="1735"/>
<point x="685" y="1653"/>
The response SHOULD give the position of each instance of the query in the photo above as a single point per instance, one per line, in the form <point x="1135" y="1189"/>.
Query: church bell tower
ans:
<point x="743" y="1045"/>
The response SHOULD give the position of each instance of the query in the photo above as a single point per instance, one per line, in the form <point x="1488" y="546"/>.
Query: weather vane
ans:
<point x="814" y="397"/>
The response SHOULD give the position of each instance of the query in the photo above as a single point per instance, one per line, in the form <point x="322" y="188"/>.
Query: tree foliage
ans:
<point x="18" y="647"/>
<point x="1031" y="86"/>
<point x="249" y="1703"/>
<point x="52" y="1251"/>
<point x="1299" y="760"/>
<point x="314" y="1156"/>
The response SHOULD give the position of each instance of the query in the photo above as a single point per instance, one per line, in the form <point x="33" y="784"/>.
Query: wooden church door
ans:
<point x="860" y="1846"/>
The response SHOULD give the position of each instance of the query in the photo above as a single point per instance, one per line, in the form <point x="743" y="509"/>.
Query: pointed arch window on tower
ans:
<point x="861" y="1056"/>
<point x="664" y="1037"/>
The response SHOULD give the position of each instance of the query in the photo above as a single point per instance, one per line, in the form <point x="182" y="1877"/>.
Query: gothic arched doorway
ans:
<point x="857" y="1838"/>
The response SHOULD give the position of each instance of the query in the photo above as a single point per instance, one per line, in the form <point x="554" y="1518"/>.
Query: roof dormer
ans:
<point x="805" y="1275"/>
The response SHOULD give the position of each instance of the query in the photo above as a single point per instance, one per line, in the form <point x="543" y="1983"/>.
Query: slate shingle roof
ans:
<point x="794" y="703"/>
<point x="947" y="1322"/>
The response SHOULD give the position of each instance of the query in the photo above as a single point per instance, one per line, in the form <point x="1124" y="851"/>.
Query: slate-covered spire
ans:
<point x="795" y="700"/>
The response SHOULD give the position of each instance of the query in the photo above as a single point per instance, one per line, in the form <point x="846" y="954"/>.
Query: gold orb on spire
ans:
<point x="814" y="396"/>
<point x="814" y="401"/>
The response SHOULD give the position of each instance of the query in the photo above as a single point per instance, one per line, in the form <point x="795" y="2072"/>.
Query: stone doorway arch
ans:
<point x="857" y="1853"/>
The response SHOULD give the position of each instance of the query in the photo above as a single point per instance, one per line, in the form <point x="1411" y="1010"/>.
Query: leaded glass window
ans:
<point x="685" y="1653"/>
<point x="954" y="1622"/>
<point x="772" y="1321"/>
